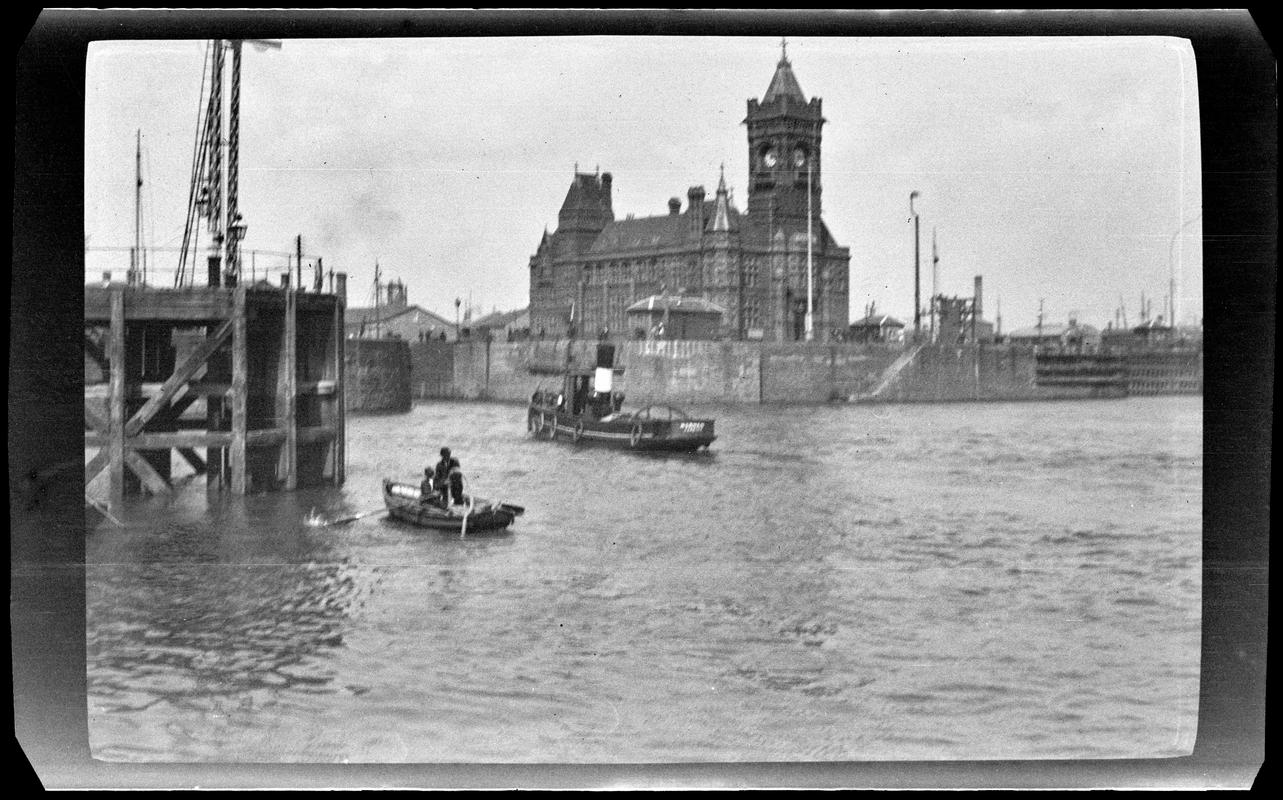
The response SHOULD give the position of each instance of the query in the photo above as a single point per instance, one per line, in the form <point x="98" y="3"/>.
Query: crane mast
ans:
<point x="215" y="195"/>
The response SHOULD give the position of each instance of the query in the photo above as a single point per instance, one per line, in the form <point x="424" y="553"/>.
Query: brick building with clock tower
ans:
<point x="752" y="266"/>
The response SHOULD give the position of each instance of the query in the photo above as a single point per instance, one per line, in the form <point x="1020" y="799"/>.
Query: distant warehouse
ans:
<point x="1070" y="336"/>
<point x="397" y="319"/>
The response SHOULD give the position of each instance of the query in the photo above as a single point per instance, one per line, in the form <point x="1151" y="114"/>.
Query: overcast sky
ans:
<point x="1064" y="170"/>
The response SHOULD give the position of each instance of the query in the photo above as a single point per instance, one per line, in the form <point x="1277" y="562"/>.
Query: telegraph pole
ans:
<point x="135" y="255"/>
<point x="917" y="281"/>
<point x="935" y="293"/>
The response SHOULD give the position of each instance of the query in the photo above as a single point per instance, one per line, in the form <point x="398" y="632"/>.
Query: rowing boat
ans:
<point x="405" y="502"/>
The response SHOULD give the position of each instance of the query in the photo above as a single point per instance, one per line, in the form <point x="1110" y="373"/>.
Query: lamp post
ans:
<point x="917" y="290"/>
<point x="810" y="270"/>
<point x="235" y="233"/>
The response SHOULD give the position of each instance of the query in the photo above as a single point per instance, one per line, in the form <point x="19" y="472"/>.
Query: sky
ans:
<point x="1064" y="170"/>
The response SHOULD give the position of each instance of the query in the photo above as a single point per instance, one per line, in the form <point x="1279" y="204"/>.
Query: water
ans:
<point x="831" y="583"/>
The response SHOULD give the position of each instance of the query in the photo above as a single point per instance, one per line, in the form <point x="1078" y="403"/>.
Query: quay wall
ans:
<point x="377" y="375"/>
<point x="943" y="374"/>
<point x="695" y="372"/>
<point x="388" y="375"/>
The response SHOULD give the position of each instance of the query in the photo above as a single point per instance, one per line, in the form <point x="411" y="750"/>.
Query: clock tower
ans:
<point x="783" y="153"/>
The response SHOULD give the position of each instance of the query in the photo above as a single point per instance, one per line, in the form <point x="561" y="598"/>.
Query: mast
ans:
<point x="214" y="182"/>
<point x="917" y="282"/>
<point x="377" y="314"/>
<point x="935" y="261"/>
<point x="135" y="254"/>
<point x="233" y="226"/>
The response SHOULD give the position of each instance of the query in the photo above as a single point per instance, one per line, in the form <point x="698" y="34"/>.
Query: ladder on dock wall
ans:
<point x="266" y="363"/>
<point x="891" y="373"/>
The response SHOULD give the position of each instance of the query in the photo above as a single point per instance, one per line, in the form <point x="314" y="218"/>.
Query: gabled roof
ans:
<point x="498" y="319"/>
<point x="658" y="232"/>
<point x="385" y="314"/>
<point x="676" y="303"/>
<point x="784" y="84"/>
<point x="878" y="321"/>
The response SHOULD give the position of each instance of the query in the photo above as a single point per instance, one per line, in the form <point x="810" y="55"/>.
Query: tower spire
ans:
<point x="784" y="50"/>
<point x="721" y="211"/>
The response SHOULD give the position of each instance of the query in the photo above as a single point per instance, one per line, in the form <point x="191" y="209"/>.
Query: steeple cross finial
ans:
<point x="784" y="49"/>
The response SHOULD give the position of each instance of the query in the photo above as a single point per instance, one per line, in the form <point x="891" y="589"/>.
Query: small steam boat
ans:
<point x="586" y="410"/>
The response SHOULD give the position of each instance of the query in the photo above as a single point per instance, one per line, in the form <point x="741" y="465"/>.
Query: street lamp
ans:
<point x="235" y="233"/>
<point x="917" y="291"/>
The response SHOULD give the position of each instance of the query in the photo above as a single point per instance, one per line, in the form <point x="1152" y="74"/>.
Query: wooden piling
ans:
<point x="287" y="392"/>
<point x="116" y="399"/>
<point x="240" y="368"/>
<point x="339" y="449"/>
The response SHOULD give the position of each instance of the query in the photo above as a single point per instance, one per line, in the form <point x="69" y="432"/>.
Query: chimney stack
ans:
<point x="979" y="298"/>
<point x="695" y="196"/>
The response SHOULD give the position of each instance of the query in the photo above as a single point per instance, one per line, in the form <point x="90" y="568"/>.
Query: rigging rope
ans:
<point x="198" y="152"/>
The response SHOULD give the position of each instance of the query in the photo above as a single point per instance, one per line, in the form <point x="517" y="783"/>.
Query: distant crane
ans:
<point x="215" y="183"/>
<point x="137" y="256"/>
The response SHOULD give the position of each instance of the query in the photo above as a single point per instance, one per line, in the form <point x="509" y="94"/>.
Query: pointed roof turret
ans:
<point x="784" y="83"/>
<point x="722" y="212"/>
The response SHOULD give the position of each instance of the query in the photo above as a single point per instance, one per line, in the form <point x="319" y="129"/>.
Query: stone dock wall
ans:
<point x="377" y="375"/>
<point x="698" y="372"/>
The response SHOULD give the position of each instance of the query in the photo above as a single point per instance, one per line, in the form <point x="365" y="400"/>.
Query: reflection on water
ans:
<point x="831" y="583"/>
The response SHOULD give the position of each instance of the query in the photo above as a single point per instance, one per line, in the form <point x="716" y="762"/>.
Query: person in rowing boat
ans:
<point x="449" y="476"/>
<point x="428" y="493"/>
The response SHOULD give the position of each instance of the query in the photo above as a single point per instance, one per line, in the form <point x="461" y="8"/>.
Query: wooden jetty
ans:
<point x="244" y="382"/>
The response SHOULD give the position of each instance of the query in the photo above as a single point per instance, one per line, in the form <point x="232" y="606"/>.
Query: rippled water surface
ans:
<point x="829" y="583"/>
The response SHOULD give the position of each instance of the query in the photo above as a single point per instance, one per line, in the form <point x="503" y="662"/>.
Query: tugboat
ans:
<point x="586" y="410"/>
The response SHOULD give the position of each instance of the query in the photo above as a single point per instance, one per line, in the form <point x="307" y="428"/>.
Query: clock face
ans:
<point x="770" y="158"/>
<point x="799" y="157"/>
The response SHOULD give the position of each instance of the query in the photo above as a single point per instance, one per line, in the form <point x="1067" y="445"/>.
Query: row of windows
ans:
<point x="673" y="272"/>
<point x="676" y="274"/>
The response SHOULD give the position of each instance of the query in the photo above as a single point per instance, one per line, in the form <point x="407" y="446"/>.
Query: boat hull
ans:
<point x="403" y="503"/>
<point x="673" y="436"/>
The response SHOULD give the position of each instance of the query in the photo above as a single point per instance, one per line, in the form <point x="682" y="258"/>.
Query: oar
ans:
<point x="353" y="518"/>
<point x="463" y="532"/>
<point x="101" y="507"/>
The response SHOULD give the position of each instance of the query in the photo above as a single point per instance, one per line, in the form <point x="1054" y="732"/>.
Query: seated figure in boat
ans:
<point x="428" y="494"/>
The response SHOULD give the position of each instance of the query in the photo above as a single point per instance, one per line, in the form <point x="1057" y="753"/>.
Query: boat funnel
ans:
<point x="603" y="379"/>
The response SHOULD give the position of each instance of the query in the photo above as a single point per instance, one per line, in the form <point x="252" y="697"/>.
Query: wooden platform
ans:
<point x="266" y="364"/>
